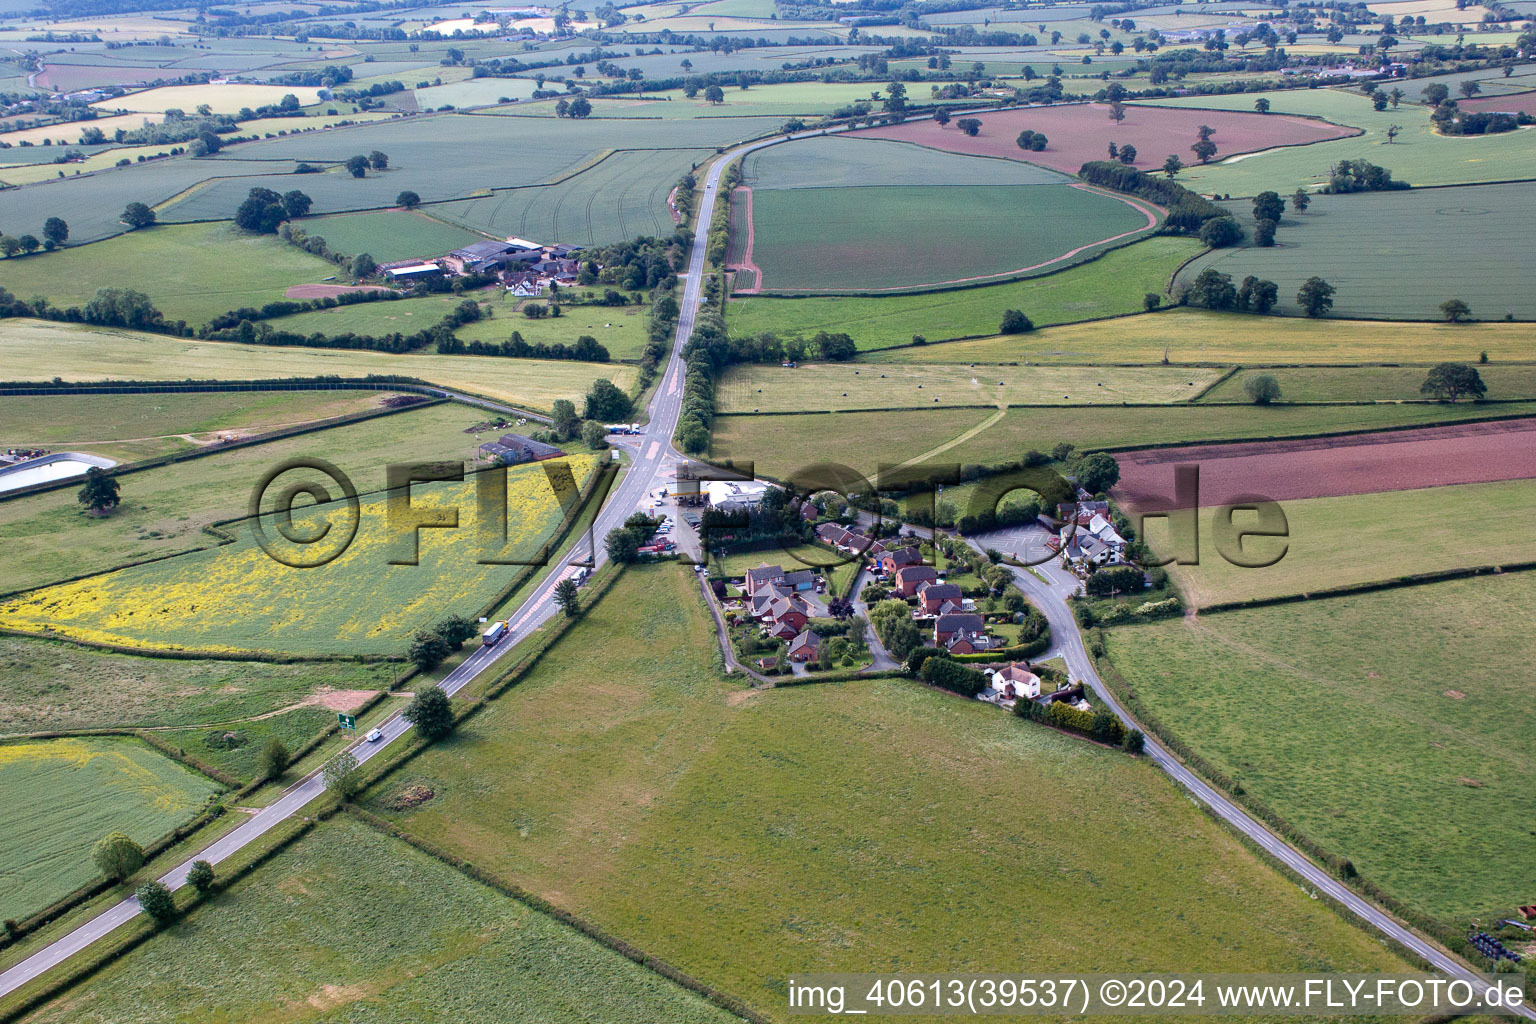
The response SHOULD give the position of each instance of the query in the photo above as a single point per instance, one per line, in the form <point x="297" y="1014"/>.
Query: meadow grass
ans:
<point x="1361" y="538"/>
<point x="1195" y="336"/>
<point x="36" y="350"/>
<point x="48" y="536"/>
<point x="1109" y="286"/>
<point x="58" y="797"/>
<point x="371" y="598"/>
<point x="388" y="235"/>
<point x="836" y="386"/>
<point x="55" y="685"/>
<point x="190" y="272"/>
<point x="1392" y="728"/>
<point x="130" y="428"/>
<point x="620" y="329"/>
<point x="1370" y="383"/>
<point x="782" y="444"/>
<point x="348" y="924"/>
<point x="743" y="835"/>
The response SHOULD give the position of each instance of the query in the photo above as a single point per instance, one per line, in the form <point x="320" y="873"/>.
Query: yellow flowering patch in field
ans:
<point x="238" y="597"/>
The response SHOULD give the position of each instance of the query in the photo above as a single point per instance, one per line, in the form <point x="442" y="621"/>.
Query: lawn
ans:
<point x="1392" y="728"/>
<point x="1111" y="285"/>
<point x="191" y="272"/>
<point x="389" y="235"/>
<point x="350" y="925"/>
<point x="835" y="566"/>
<point x="48" y="537"/>
<point x="744" y="835"/>
<point x="54" y="685"/>
<point x="1361" y="538"/>
<point x="1370" y="383"/>
<point x="367" y="600"/>
<point x="1195" y="336"/>
<point x="812" y="387"/>
<point x="58" y="797"/>
<point x="1418" y="155"/>
<point x="34" y="350"/>
<point x="1440" y="237"/>
<point x="780" y="445"/>
<point x="130" y="428"/>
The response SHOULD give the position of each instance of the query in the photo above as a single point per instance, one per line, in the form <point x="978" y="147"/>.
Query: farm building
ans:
<point x="512" y="449"/>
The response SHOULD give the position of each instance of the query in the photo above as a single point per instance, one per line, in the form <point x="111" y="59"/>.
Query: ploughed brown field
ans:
<point x="1079" y="132"/>
<point x="1398" y="460"/>
<point x="1514" y="103"/>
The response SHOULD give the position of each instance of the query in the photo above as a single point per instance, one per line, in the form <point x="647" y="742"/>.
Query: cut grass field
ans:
<point x="48" y="537"/>
<point x="350" y="925"/>
<point x="1437" y="236"/>
<point x="224" y="99"/>
<point x="129" y="428"/>
<point x="190" y="272"/>
<point x="799" y="863"/>
<point x="368" y="599"/>
<point x="1109" y="286"/>
<point x="47" y="684"/>
<point x="836" y="386"/>
<point x="782" y="444"/>
<point x="1392" y="728"/>
<point x="388" y="235"/>
<point x="1195" y="336"/>
<point x="41" y="350"/>
<point x="58" y="797"/>
<point x="1362" y="538"/>
<point x="1369" y="383"/>
<point x="620" y="329"/>
<point x="380" y="317"/>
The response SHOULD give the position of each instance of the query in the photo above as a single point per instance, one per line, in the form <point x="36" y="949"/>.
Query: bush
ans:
<point x="1015" y="322"/>
<point x="200" y="877"/>
<point x="117" y="856"/>
<point x="273" y="759"/>
<point x="1262" y="389"/>
<point x="953" y="676"/>
<point x="156" y="901"/>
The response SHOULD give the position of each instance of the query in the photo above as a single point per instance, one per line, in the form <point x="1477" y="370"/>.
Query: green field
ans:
<point x="191" y="272"/>
<point x="832" y="161"/>
<point x="1370" y="383"/>
<point x="812" y="387"/>
<point x="783" y="444"/>
<point x="907" y="236"/>
<point x="129" y="428"/>
<point x="745" y="835"/>
<point x="349" y="925"/>
<point x="1392" y="728"/>
<point x="1194" y="336"/>
<point x="1441" y="238"/>
<point x="1111" y="285"/>
<point x="58" y="797"/>
<point x="390" y="235"/>
<point x="238" y="598"/>
<point x="54" y="685"/>
<point x="1418" y="155"/>
<point x="621" y="329"/>
<point x="834" y="565"/>
<point x="164" y="510"/>
<point x="380" y="317"/>
<point x="37" y="350"/>
<point x="1362" y="538"/>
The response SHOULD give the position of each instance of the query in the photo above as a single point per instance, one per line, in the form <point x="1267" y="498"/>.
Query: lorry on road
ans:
<point x="494" y="635"/>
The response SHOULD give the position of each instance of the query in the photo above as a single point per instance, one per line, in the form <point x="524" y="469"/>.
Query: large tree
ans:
<point x="1268" y="206"/>
<point x="378" y="160"/>
<point x="1455" y="310"/>
<point x="55" y="231"/>
<point x="427" y="651"/>
<point x="101" y="491"/>
<point x="1212" y="289"/>
<point x="430" y="712"/>
<point x="1097" y="472"/>
<point x="1262" y="389"/>
<point x="273" y="758"/>
<point x="296" y="203"/>
<point x="606" y="402"/>
<point x="568" y="598"/>
<point x="156" y="901"/>
<point x="117" y="856"/>
<point x="1316" y="296"/>
<point x="563" y="419"/>
<point x="1450" y="382"/>
<point x="342" y="775"/>
<point x="137" y="215"/>
<point x="357" y="166"/>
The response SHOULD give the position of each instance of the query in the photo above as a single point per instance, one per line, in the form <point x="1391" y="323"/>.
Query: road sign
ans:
<point x="346" y="721"/>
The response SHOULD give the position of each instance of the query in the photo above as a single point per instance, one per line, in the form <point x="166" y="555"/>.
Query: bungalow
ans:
<point x="512" y="449"/>
<point x="831" y="533"/>
<point x="891" y="561"/>
<point x="806" y="646"/>
<point x="855" y="543"/>
<point x="939" y="598"/>
<point x="1014" y="681"/>
<point x="946" y="626"/>
<point x="908" y="579"/>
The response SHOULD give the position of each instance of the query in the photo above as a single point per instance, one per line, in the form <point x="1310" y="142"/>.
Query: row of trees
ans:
<point x="55" y="231"/>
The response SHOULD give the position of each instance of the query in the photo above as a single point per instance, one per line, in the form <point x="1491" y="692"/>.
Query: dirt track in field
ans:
<point x="1398" y="460"/>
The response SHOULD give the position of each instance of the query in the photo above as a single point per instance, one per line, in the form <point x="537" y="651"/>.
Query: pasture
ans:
<point x="228" y="98"/>
<point x="1389" y="727"/>
<point x="1361" y="538"/>
<point x="1440" y="237"/>
<point x="1187" y="335"/>
<point x="41" y="350"/>
<point x="734" y="876"/>
<point x="1370" y="383"/>
<point x="781" y="444"/>
<point x="58" y="797"/>
<point x="1418" y="155"/>
<point x="831" y="387"/>
<point x="237" y="597"/>
<point x="844" y="161"/>
<point x="621" y="329"/>
<point x="349" y="922"/>
<point x="380" y="317"/>
<point x="390" y="235"/>
<point x="1082" y="132"/>
<point x="1108" y="286"/>
<point x="46" y="684"/>
<point x="191" y="272"/>
<point x="130" y="428"/>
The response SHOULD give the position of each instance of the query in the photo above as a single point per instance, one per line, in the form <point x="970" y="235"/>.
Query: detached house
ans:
<point x="762" y="576"/>
<point x="892" y="561"/>
<point x="786" y="616"/>
<point x="1092" y="544"/>
<point x="806" y="646"/>
<point x="945" y="627"/>
<point x="939" y="598"/>
<point x="1015" y="681"/>
<point x="908" y="579"/>
<point x="966" y="642"/>
<point x="831" y="533"/>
